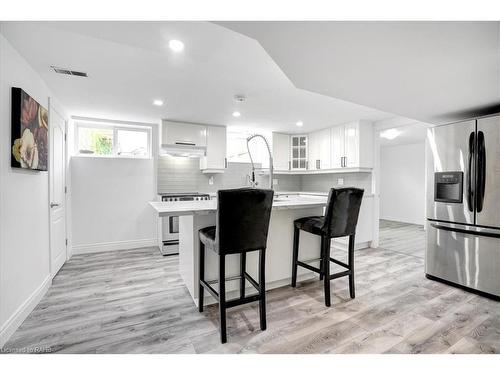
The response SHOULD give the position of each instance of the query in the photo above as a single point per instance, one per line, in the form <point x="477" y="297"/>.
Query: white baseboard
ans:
<point x="113" y="246"/>
<point x="16" y="319"/>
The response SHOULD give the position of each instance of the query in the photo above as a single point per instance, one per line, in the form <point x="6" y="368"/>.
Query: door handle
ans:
<point x="52" y="205"/>
<point x="481" y="171"/>
<point x="471" y="172"/>
<point x="466" y="231"/>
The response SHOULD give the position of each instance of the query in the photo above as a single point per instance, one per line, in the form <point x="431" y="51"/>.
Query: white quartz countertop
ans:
<point x="183" y="208"/>
<point x="284" y="192"/>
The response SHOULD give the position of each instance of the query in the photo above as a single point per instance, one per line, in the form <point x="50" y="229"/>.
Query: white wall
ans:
<point x="402" y="183"/>
<point x="24" y="212"/>
<point x="109" y="203"/>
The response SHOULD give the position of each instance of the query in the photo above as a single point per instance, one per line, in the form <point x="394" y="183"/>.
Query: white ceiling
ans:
<point x="129" y="65"/>
<point x="430" y="71"/>
<point x="409" y="134"/>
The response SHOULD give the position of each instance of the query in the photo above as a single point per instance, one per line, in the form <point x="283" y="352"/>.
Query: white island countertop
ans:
<point x="183" y="208"/>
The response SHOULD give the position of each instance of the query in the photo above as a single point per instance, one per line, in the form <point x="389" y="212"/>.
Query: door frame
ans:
<point x="53" y="106"/>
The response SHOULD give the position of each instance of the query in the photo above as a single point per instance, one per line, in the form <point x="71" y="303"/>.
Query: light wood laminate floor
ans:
<point x="134" y="301"/>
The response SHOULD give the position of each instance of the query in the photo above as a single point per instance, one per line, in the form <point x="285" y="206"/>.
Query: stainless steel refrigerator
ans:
<point x="463" y="204"/>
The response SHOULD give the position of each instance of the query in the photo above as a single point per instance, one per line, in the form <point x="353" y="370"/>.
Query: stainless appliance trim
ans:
<point x="170" y="224"/>
<point x="459" y="229"/>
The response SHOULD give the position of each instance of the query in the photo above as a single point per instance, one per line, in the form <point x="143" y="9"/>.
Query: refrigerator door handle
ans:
<point x="470" y="172"/>
<point x="481" y="171"/>
<point x="466" y="231"/>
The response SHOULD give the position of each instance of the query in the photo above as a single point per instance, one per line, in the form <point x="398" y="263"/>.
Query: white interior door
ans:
<point x="57" y="178"/>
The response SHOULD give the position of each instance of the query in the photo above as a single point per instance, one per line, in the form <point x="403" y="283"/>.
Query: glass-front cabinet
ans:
<point x="298" y="156"/>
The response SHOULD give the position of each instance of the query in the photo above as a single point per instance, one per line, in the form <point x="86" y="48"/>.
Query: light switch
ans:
<point x="340" y="181"/>
<point x="275" y="181"/>
<point x="211" y="180"/>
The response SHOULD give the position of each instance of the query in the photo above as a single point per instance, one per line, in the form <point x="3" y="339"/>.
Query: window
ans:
<point x="109" y="140"/>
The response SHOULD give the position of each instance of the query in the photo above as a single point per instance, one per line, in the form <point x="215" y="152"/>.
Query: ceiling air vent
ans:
<point x="69" y="72"/>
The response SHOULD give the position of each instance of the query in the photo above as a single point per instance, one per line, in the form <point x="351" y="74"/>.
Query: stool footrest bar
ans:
<point x="211" y="290"/>
<point x="340" y="263"/>
<point x="340" y="274"/>
<point x="311" y="268"/>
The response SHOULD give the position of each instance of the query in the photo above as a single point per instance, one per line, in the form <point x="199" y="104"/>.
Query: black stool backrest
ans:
<point x="342" y="211"/>
<point x="243" y="219"/>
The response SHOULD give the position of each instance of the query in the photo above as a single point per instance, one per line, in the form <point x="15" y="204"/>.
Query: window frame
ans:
<point x="115" y="127"/>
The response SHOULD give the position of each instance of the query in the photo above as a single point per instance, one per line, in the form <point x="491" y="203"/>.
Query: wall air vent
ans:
<point x="69" y="72"/>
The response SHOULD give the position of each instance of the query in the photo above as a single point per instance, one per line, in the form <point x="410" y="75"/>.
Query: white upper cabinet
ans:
<point x="351" y="151"/>
<point x="215" y="157"/>
<point x="281" y="151"/>
<point x="338" y="146"/>
<point x="352" y="145"/>
<point x="298" y="152"/>
<point x="320" y="156"/>
<point x="181" y="133"/>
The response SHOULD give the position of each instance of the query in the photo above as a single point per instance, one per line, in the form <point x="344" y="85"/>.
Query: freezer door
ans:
<point x="465" y="255"/>
<point x="450" y="148"/>
<point x="488" y="172"/>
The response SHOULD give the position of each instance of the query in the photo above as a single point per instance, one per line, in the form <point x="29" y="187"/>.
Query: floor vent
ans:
<point x="69" y="72"/>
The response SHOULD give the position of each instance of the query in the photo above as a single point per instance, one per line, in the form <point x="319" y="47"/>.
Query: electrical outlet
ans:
<point x="275" y="181"/>
<point x="340" y="181"/>
<point x="211" y="180"/>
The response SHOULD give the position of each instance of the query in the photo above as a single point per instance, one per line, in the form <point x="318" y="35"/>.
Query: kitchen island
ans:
<point x="194" y="215"/>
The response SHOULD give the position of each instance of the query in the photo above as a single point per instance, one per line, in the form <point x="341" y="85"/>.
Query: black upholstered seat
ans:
<point x="207" y="237"/>
<point x="242" y="224"/>
<point x="311" y="224"/>
<point x="340" y="220"/>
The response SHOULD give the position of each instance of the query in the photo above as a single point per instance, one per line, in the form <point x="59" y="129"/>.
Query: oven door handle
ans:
<point x="466" y="231"/>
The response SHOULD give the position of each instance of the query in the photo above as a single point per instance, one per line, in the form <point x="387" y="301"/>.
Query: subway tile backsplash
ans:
<point x="179" y="174"/>
<point x="323" y="182"/>
<point x="182" y="175"/>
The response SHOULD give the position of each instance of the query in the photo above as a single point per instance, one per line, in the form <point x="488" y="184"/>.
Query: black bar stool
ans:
<point x="341" y="217"/>
<point x="242" y="225"/>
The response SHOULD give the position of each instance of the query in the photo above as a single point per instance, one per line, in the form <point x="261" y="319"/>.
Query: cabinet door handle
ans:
<point x="225" y="162"/>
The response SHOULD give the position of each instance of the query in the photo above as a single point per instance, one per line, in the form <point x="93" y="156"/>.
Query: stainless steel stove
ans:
<point x="170" y="224"/>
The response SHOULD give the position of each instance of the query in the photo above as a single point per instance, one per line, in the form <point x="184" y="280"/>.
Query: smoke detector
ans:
<point x="68" y="71"/>
<point x="239" y="98"/>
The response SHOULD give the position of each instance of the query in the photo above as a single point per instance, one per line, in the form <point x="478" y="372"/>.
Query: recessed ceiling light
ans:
<point x="176" y="45"/>
<point x="299" y="123"/>
<point x="236" y="114"/>
<point x="390" y="133"/>
<point x="158" y="102"/>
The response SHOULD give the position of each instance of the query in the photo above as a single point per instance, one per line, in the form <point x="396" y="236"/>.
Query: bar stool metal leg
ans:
<point x="325" y="249"/>
<point x="262" y="289"/>
<point x="295" y="255"/>
<point x="351" y="266"/>
<point x="243" y="262"/>
<point x="222" y="297"/>
<point x="201" y="274"/>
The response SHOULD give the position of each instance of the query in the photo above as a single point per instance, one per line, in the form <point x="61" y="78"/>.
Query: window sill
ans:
<point x="111" y="157"/>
